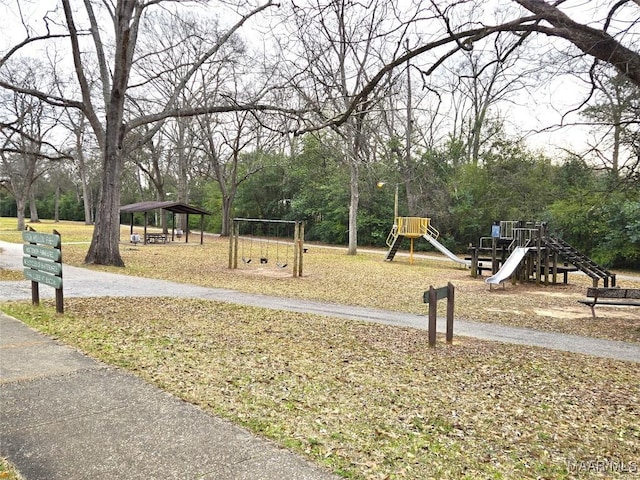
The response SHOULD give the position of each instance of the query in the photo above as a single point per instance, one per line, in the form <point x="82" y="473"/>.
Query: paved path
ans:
<point x="81" y="282"/>
<point x="66" y="416"/>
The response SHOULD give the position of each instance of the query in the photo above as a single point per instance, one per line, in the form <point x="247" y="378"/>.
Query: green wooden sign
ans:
<point x="41" y="238"/>
<point x="441" y="293"/>
<point x="42" y="277"/>
<point x="41" y="252"/>
<point x="42" y="265"/>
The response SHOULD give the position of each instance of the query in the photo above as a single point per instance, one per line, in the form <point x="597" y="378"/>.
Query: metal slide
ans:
<point x="509" y="266"/>
<point x="446" y="251"/>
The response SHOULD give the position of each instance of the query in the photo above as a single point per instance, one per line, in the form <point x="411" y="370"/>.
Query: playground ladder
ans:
<point x="395" y="245"/>
<point x="581" y="261"/>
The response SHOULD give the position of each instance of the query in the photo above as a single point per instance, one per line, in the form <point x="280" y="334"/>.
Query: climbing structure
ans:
<point x="580" y="261"/>
<point x="405" y="227"/>
<point x="538" y="255"/>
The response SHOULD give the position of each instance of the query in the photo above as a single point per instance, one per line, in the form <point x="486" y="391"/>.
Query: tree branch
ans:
<point x="590" y="41"/>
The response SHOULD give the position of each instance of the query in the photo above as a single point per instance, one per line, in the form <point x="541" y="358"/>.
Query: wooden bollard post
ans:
<point x="450" y="300"/>
<point x="433" y="310"/>
<point x="431" y="297"/>
<point x="474" y="261"/>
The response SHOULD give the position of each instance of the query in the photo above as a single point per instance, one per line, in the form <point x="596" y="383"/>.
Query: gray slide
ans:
<point x="446" y="251"/>
<point x="509" y="266"/>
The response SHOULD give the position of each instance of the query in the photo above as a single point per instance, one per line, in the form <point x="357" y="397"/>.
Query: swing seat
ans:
<point x="264" y="260"/>
<point x="246" y="260"/>
<point x="281" y="265"/>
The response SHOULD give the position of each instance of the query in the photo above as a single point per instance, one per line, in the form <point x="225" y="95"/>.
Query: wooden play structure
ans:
<point x="517" y="250"/>
<point x="525" y="251"/>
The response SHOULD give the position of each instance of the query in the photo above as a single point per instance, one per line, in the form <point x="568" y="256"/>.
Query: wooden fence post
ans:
<point x="431" y="297"/>
<point x="450" y="302"/>
<point x="433" y="309"/>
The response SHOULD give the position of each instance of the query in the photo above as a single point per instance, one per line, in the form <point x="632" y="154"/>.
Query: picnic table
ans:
<point x="156" y="238"/>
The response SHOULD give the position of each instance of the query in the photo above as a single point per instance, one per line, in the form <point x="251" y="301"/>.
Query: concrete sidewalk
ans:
<point x="65" y="416"/>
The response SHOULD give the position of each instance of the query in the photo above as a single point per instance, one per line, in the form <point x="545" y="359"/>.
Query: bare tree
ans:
<point x="25" y="128"/>
<point x="454" y="28"/>
<point x="615" y="117"/>
<point x="82" y="147"/>
<point x="114" y="64"/>
<point x="598" y="43"/>
<point x="340" y="42"/>
<point x="486" y="78"/>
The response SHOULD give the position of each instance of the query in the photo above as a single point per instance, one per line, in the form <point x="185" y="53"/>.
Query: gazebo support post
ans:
<point x="173" y="224"/>
<point x="144" y="242"/>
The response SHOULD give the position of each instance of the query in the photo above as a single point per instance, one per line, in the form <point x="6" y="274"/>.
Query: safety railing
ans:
<point x="412" y="227"/>
<point x="432" y="231"/>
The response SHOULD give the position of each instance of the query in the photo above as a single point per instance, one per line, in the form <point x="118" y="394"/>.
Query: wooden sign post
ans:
<point x="431" y="297"/>
<point x="43" y="264"/>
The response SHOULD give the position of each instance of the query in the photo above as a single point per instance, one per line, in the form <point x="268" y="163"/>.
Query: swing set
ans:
<point x="262" y="238"/>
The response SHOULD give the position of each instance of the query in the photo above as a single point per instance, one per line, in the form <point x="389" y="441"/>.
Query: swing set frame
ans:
<point x="298" y="243"/>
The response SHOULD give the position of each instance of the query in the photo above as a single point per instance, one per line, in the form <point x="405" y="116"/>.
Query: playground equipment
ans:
<point x="519" y="250"/>
<point x="527" y="251"/>
<point x="264" y="239"/>
<point x="413" y="228"/>
<point x="509" y="266"/>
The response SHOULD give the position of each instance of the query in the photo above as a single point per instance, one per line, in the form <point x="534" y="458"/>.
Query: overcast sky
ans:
<point x="542" y="107"/>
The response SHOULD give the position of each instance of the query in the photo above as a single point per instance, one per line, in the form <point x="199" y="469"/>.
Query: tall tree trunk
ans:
<point x="86" y="202"/>
<point x="225" y="229"/>
<point x="105" y="246"/>
<point x="183" y="175"/>
<point x="353" y="208"/>
<point x="33" y="208"/>
<point x="617" y="136"/>
<point x="21" y="204"/>
<point x="82" y="170"/>
<point x="56" y="207"/>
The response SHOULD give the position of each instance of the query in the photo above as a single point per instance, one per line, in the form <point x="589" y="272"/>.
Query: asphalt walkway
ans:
<point x="66" y="416"/>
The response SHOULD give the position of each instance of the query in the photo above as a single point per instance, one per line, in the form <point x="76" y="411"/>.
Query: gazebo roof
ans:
<point x="175" y="207"/>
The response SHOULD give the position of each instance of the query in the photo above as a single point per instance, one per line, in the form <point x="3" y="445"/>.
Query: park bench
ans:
<point x="629" y="297"/>
<point x="156" y="238"/>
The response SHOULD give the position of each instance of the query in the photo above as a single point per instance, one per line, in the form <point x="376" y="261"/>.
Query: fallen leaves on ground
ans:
<point x="11" y="275"/>
<point x="329" y="274"/>
<point x="368" y="401"/>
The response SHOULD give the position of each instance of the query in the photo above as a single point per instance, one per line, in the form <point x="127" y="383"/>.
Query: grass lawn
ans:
<point x="368" y="401"/>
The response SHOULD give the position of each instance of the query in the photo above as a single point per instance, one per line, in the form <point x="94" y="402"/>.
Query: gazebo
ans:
<point x="173" y="207"/>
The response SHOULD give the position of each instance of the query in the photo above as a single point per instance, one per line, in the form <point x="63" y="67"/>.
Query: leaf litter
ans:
<point x="330" y="275"/>
<point x="372" y="401"/>
<point x="368" y="401"/>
